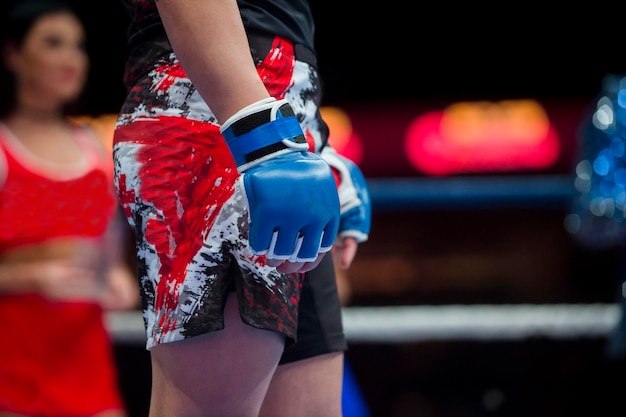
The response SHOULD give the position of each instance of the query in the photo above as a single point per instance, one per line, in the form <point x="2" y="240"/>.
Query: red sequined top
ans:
<point x="56" y="358"/>
<point x="39" y="200"/>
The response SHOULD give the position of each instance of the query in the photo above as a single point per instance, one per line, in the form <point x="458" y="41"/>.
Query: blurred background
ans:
<point x="469" y="124"/>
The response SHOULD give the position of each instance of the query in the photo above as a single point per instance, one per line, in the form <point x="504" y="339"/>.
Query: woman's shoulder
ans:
<point x="101" y="126"/>
<point x="95" y="136"/>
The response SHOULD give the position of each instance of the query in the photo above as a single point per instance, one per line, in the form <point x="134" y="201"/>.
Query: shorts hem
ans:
<point x="312" y="349"/>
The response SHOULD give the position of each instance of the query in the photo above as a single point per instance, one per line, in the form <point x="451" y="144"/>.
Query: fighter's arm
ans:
<point x="221" y="69"/>
<point x="293" y="205"/>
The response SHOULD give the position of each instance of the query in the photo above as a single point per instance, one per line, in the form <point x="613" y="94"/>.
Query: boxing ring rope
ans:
<point x="403" y="324"/>
<point x="526" y="191"/>
<point x="397" y="324"/>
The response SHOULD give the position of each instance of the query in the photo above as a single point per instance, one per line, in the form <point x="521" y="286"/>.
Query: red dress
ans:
<point x="56" y="358"/>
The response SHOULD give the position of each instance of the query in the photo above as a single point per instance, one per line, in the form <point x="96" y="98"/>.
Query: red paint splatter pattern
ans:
<point x="177" y="183"/>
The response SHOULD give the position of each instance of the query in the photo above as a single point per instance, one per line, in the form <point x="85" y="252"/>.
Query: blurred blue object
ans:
<point x="598" y="218"/>
<point x="353" y="402"/>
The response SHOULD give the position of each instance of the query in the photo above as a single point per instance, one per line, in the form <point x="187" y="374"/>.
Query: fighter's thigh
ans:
<point x="306" y="388"/>
<point x="224" y="373"/>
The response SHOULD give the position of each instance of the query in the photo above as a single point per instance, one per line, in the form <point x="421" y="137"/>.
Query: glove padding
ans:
<point x="293" y="204"/>
<point x="354" y="197"/>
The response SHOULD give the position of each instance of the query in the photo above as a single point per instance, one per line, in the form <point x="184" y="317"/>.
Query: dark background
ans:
<point x="406" y="53"/>
<point x="403" y="51"/>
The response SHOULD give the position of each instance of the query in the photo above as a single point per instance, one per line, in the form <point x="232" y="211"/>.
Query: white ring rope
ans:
<point x="403" y="324"/>
<point x="454" y="322"/>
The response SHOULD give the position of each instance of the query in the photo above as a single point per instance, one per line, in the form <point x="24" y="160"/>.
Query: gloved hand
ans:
<point x="292" y="199"/>
<point x="354" y="197"/>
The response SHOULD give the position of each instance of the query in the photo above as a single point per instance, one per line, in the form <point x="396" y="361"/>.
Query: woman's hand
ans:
<point x="121" y="291"/>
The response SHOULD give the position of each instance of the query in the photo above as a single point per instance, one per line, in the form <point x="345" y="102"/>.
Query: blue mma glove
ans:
<point x="356" y="207"/>
<point x="293" y="205"/>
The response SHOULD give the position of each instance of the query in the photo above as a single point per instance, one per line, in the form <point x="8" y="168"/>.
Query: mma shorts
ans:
<point x="177" y="184"/>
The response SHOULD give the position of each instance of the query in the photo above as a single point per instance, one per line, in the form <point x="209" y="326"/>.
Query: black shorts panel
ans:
<point x="320" y="325"/>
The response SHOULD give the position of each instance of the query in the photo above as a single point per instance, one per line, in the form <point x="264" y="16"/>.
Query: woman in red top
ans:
<point x="58" y="268"/>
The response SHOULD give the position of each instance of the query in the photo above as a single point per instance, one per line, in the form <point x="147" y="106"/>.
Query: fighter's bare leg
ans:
<point x="224" y="373"/>
<point x="307" y="388"/>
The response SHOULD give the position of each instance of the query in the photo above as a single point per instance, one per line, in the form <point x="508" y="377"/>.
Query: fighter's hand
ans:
<point x="344" y="251"/>
<point x="293" y="204"/>
<point x="356" y="206"/>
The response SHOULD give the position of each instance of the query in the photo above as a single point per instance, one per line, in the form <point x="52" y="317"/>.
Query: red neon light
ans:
<point x="482" y="136"/>
<point x="342" y="136"/>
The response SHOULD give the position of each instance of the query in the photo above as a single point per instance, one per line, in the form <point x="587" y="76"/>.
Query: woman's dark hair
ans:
<point x="16" y="24"/>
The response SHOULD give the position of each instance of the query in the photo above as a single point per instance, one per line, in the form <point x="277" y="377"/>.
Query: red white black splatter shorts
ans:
<point x="177" y="184"/>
